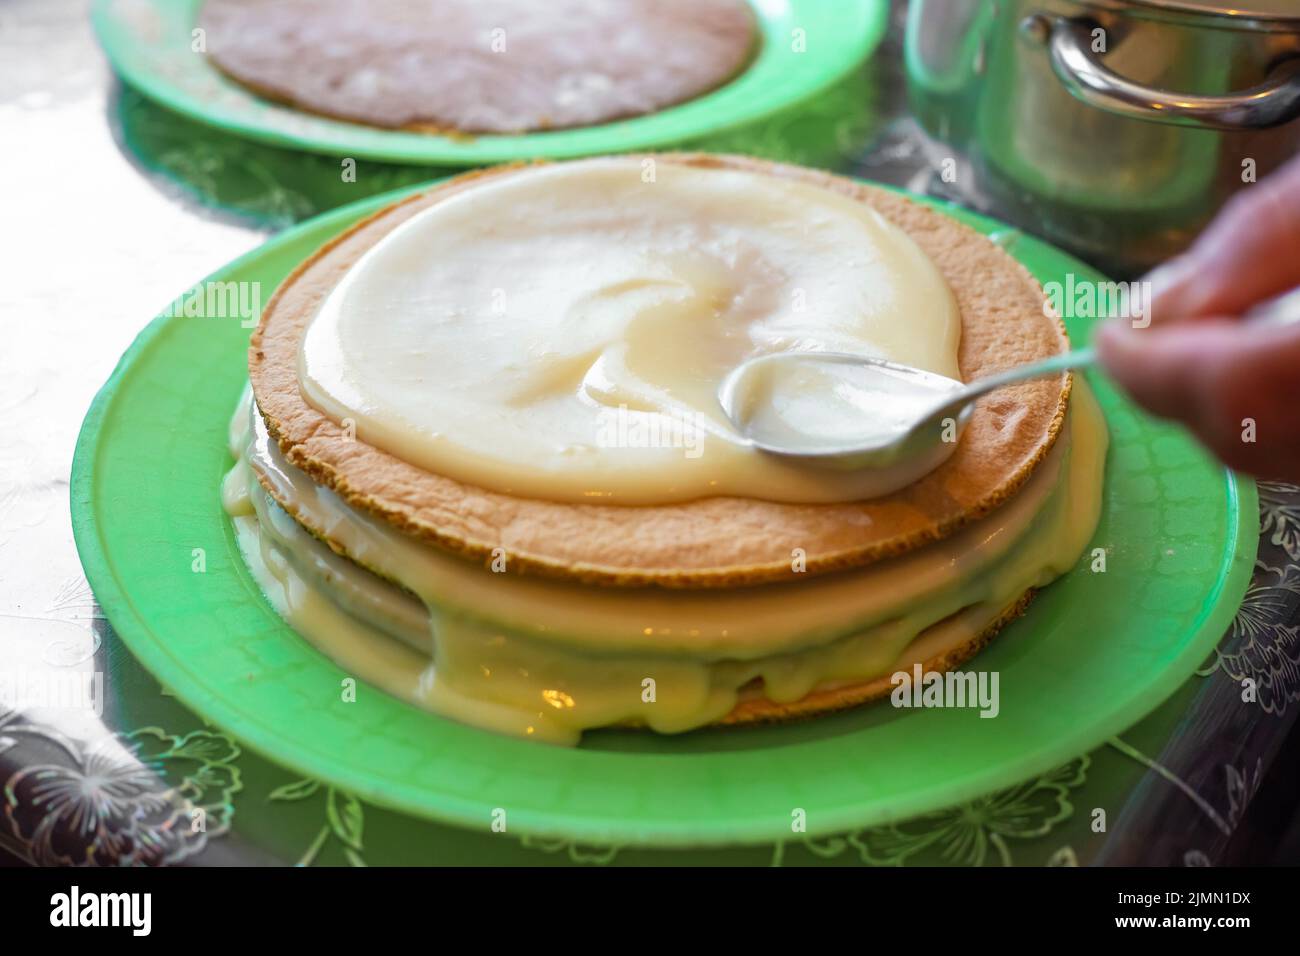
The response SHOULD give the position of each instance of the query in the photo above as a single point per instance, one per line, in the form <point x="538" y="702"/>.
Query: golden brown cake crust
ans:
<point x="714" y="542"/>
<point x="479" y="66"/>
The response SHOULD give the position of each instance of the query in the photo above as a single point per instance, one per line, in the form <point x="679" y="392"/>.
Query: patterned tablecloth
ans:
<point x="114" y="204"/>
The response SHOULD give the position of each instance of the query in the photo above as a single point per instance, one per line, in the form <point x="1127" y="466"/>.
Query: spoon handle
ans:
<point x="1283" y="309"/>
<point x="1079" y="358"/>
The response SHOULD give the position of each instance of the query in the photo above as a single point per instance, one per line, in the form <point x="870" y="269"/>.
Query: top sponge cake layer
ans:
<point x="712" y="542"/>
<point x="480" y="66"/>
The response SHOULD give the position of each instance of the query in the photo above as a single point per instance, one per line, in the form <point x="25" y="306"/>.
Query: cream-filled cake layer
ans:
<point x="549" y="659"/>
<point x="560" y="332"/>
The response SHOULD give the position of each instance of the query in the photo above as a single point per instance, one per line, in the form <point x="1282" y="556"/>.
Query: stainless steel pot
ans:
<point x="1115" y="129"/>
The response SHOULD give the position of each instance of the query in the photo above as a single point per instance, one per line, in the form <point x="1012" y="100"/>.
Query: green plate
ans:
<point x="149" y="44"/>
<point x="1095" y="653"/>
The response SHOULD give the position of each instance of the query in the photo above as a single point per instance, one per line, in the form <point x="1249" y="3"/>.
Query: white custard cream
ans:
<point x="548" y="659"/>
<point x="526" y="335"/>
<point x="512" y="334"/>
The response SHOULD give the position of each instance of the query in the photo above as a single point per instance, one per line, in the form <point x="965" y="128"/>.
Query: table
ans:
<point x="113" y="206"/>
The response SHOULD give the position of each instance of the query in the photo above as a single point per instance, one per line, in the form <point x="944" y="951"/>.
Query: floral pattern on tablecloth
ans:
<point x="141" y="798"/>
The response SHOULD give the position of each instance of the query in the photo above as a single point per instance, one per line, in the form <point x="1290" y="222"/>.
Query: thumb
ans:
<point x="1234" y="386"/>
<point x="1161" y="366"/>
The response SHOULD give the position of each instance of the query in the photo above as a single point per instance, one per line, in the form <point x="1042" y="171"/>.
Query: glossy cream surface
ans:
<point x="561" y="332"/>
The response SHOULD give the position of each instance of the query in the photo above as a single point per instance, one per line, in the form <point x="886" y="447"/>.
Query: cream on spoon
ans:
<point x="853" y="411"/>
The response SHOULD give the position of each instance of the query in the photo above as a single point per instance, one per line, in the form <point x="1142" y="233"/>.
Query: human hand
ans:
<point x="1236" y="385"/>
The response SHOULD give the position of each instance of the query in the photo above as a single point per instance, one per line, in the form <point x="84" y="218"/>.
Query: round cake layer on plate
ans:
<point x="710" y="542"/>
<point x="386" y="589"/>
<point x="480" y="66"/>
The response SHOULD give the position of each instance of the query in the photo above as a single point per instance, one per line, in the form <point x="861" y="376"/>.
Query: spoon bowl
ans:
<point x="838" y="409"/>
<point x="846" y="411"/>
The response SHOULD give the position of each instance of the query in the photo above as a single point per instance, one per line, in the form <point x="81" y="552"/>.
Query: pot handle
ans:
<point x="1271" y="103"/>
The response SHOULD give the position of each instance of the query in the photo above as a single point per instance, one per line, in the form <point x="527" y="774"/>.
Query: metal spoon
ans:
<point x="910" y="419"/>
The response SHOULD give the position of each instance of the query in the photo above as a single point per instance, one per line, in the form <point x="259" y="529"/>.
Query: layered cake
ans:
<point x="482" y="463"/>
<point x="479" y="66"/>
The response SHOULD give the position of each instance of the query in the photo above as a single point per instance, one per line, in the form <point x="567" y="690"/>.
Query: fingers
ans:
<point x="1249" y="253"/>
<point x="1158" y="366"/>
<point x="1236" y="387"/>
<point x="1238" y="390"/>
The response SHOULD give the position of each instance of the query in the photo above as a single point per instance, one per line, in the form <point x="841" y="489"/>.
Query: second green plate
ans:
<point x="806" y="46"/>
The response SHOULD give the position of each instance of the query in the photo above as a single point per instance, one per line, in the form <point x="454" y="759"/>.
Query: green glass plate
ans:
<point x="1095" y="653"/>
<point x="149" y="43"/>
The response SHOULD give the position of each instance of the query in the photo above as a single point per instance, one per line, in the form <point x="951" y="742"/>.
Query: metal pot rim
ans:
<point x="1259" y="15"/>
